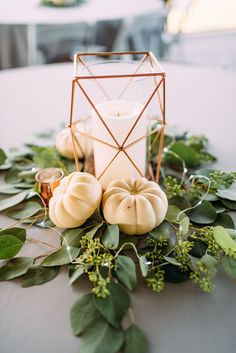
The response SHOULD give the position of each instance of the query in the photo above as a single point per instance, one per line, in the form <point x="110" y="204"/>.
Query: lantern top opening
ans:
<point x="146" y="65"/>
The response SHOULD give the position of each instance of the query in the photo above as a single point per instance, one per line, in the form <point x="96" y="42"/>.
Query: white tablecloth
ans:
<point x="181" y="318"/>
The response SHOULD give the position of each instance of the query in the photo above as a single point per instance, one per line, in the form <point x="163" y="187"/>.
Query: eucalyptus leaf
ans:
<point x="173" y="214"/>
<point x="12" y="200"/>
<point x="63" y="256"/>
<point x="100" y="337"/>
<point x="6" y="165"/>
<point x="94" y="230"/>
<point x="114" y="307"/>
<point x="172" y="261"/>
<point x="224" y="240"/>
<point x="29" y="209"/>
<point x="229" y="265"/>
<point x="186" y="153"/>
<point x="229" y="204"/>
<point x="228" y="194"/>
<point x="110" y="237"/>
<point x="203" y="213"/>
<point x="126" y="271"/>
<point x="143" y="265"/>
<point x="135" y="341"/>
<point x="162" y="230"/>
<point x="72" y="237"/>
<point x="9" y="246"/>
<point x="75" y="273"/>
<point x="180" y="202"/>
<point x="174" y="274"/>
<point x="38" y="275"/>
<point x="211" y="263"/>
<point x="184" y="226"/>
<point x="3" y="156"/>
<point x="19" y="233"/>
<point x="232" y="232"/>
<point x="9" y="189"/>
<point x="12" y="177"/>
<point x="15" y="268"/>
<point x="126" y="239"/>
<point x="219" y="207"/>
<point x="83" y="313"/>
<point x="224" y="220"/>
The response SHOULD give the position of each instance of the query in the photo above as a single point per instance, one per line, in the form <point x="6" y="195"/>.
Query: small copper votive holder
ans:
<point x="48" y="179"/>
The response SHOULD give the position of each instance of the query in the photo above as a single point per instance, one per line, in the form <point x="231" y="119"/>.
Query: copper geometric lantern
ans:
<point x="118" y="106"/>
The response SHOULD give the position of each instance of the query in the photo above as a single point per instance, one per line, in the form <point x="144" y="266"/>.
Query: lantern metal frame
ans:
<point x="121" y="148"/>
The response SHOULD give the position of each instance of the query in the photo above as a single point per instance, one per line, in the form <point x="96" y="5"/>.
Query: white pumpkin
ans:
<point x="137" y="206"/>
<point x="64" y="143"/>
<point x="75" y="200"/>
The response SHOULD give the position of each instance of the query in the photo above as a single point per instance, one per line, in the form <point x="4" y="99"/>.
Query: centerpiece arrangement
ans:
<point x="124" y="199"/>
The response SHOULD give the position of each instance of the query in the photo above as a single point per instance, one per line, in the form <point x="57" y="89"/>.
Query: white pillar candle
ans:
<point x="120" y="116"/>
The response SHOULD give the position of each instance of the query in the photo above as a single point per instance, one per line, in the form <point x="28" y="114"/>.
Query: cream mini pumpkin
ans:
<point x="64" y="143"/>
<point x="75" y="200"/>
<point x="137" y="206"/>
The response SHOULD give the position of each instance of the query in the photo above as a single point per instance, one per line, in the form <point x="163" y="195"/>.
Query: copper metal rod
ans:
<point x="97" y="112"/>
<point x="108" y="165"/>
<point x="118" y="76"/>
<point x="138" y="118"/>
<point x="98" y="140"/>
<point x="74" y="151"/>
<point x="142" y="138"/>
<point x="135" y="166"/>
<point x="131" y="79"/>
<point x="160" y="155"/>
<point x="72" y="102"/>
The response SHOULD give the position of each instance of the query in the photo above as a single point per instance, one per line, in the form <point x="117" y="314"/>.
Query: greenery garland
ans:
<point x="197" y="236"/>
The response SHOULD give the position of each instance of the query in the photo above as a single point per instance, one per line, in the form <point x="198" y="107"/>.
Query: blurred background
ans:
<point x="195" y="32"/>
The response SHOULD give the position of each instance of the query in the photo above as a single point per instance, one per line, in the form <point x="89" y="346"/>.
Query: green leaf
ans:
<point x="172" y="261"/>
<point x="83" y="313"/>
<point x="72" y="237"/>
<point x="174" y="274"/>
<point x="203" y="214"/>
<point x="9" y="246"/>
<point x="9" y="189"/>
<point x="179" y="202"/>
<point x="186" y="153"/>
<point x="218" y="206"/>
<point x="228" y="194"/>
<point x="61" y="257"/>
<point x="29" y="209"/>
<point x="100" y="337"/>
<point x="143" y="265"/>
<point x="12" y="201"/>
<point x="6" y="165"/>
<point x="114" y="307"/>
<point x="94" y="230"/>
<point x="19" y="233"/>
<point x="3" y="156"/>
<point x="135" y="341"/>
<point x="38" y="274"/>
<point x="15" y="268"/>
<point x="110" y="238"/>
<point x="173" y="213"/>
<point x="162" y="230"/>
<point x="184" y="226"/>
<point x="126" y="272"/>
<point x="125" y="239"/>
<point x="232" y="232"/>
<point x="229" y="204"/>
<point x="211" y="263"/>
<point x="229" y="265"/>
<point x="75" y="272"/>
<point x="223" y="239"/>
<point x="12" y="176"/>
<point x="224" y="220"/>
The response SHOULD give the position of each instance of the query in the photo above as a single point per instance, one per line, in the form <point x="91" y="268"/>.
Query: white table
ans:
<point x="181" y="318"/>
<point x="27" y="14"/>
